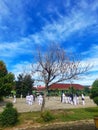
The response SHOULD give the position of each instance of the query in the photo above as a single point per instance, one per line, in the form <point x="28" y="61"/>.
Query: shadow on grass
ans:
<point x="93" y="109"/>
<point x="3" y="103"/>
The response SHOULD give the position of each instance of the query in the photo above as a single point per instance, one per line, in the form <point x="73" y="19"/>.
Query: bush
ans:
<point x="96" y="100"/>
<point x="9" y="116"/>
<point x="9" y="104"/>
<point x="94" y="91"/>
<point x="47" y="116"/>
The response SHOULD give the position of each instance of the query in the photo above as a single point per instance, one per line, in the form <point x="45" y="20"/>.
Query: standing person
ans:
<point x="21" y="96"/>
<point x="83" y="99"/>
<point x="66" y="98"/>
<point x="77" y="99"/>
<point x="63" y="98"/>
<point x="14" y="101"/>
<point x="27" y="98"/>
<point x="32" y="99"/>
<point x="71" y="98"/>
<point x="40" y="99"/>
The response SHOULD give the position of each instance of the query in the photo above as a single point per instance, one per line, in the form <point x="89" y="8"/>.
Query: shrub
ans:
<point x="9" y="104"/>
<point x="94" y="91"/>
<point x="96" y="100"/>
<point x="9" y="116"/>
<point x="47" y="116"/>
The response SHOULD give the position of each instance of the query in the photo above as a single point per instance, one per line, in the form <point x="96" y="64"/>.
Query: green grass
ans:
<point x="29" y="116"/>
<point x="76" y="114"/>
<point x="59" y="116"/>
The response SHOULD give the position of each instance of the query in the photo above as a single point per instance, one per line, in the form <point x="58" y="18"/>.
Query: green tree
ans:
<point x="6" y="80"/>
<point x="86" y="90"/>
<point x="72" y="90"/>
<point x="24" y="84"/>
<point x="94" y="91"/>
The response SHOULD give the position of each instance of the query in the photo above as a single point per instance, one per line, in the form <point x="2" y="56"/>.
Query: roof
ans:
<point x="40" y="88"/>
<point x="61" y="87"/>
<point x="66" y="86"/>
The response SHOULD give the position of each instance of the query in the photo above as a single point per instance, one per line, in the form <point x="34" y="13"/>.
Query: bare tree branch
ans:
<point x="56" y="66"/>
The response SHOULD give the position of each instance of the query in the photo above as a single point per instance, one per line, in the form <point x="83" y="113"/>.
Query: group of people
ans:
<point x="30" y="99"/>
<point x="65" y="98"/>
<point x="72" y="99"/>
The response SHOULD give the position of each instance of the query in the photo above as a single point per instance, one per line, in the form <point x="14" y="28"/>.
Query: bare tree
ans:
<point x="56" y="66"/>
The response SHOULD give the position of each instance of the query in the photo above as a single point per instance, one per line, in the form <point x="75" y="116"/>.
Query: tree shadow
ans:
<point x="3" y="103"/>
<point x="93" y="109"/>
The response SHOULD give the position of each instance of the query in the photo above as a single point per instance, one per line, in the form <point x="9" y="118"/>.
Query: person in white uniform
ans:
<point x="63" y="98"/>
<point x="83" y="99"/>
<point x="14" y="101"/>
<point x="40" y="99"/>
<point x="31" y="99"/>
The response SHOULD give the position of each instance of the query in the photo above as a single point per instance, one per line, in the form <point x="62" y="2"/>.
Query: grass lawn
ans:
<point x="61" y="115"/>
<point x="35" y="118"/>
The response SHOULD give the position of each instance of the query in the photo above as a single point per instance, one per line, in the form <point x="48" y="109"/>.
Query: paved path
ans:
<point x="52" y="103"/>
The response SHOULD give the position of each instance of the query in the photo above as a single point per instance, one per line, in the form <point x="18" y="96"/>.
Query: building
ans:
<point x="61" y="87"/>
<point x="66" y="86"/>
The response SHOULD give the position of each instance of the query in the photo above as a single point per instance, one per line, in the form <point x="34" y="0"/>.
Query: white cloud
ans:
<point x="15" y="49"/>
<point x="84" y="80"/>
<point x="64" y="27"/>
<point x="57" y="31"/>
<point x="22" y="67"/>
<point x="93" y="60"/>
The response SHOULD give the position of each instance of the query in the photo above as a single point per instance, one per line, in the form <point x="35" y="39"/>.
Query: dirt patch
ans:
<point x="74" y="125"/>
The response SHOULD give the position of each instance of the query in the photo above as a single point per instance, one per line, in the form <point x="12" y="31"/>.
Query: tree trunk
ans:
<point x="43" y="103"/>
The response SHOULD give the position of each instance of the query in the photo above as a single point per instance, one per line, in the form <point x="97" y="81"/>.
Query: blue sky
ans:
<point x="26" y="24"/>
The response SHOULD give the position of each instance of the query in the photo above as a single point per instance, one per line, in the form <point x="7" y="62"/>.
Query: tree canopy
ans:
<point x="6" y="80"/>
<point x="94" y="91"/>
<point x="24" y="84"/>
